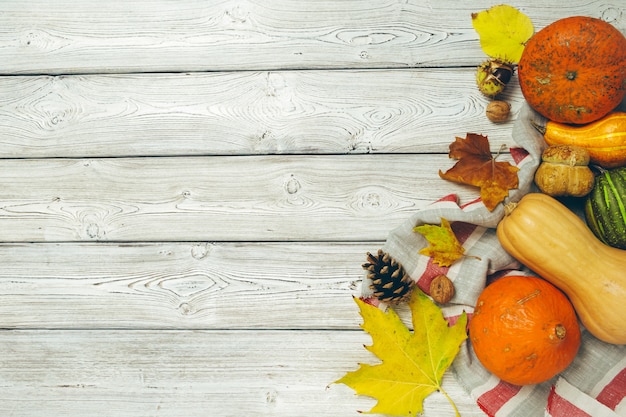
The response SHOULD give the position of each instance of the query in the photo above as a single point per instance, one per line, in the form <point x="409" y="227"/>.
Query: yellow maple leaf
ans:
<point x="413" y="363"/>
<point x="503" y="31"/>
<point x="444" y="247"/>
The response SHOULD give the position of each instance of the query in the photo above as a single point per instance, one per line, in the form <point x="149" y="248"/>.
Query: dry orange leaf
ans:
<point x="478" y="167"/>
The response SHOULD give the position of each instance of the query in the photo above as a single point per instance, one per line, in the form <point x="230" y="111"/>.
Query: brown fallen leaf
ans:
<point x="478" y="167"/>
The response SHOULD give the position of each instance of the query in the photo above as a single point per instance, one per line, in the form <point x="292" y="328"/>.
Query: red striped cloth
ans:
<point x="593" y="385"/>
<point x="612" y="390"/>
<point x="556" y="398"/>
<point x="565" y="400"/>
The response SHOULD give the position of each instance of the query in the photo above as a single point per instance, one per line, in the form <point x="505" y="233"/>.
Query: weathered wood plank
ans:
<point x="261" y="198"/>
<point x="81" y="36"/>
<point x="181" y="285"/>
<point x="321" y="112"/>
<point x="191" y="373"/>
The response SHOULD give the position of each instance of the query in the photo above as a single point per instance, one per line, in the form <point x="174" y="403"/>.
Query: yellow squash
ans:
<point x="555" y="243"/>
<point x="605" y="139"/>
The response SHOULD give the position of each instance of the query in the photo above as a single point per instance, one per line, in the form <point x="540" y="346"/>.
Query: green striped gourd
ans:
<point x="605" y="208"/>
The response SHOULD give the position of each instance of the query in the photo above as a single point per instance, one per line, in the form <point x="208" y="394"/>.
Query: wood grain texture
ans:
<point x="191" y="373"/>
<point x="81" y="36"/>
<point x="188" y="189"/>
<point x="287" y="112"/>
<point x="196" y="285"/>
<point x="262" y="198"/>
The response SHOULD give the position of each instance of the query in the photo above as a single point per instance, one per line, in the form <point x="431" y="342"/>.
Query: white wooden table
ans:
<point x="188" y="189"/>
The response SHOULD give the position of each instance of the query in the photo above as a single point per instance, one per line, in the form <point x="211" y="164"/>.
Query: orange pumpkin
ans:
<point x="574" y="70"/>
<point x="524" y="330"/>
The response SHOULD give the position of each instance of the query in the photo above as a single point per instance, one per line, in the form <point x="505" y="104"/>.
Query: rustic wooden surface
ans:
<point x="188" y="189"/>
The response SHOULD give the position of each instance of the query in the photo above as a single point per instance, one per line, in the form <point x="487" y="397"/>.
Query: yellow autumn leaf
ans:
<point x="413" y="363"/>
<point x="444" y="247"/>
<point x="503" y="31"/>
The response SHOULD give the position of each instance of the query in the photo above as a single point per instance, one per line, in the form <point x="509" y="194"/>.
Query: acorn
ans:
<point x="492" y="76"/>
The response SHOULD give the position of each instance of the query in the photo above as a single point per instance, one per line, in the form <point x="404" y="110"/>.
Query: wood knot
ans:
<point x="94" y="231"/>
<point x="186" y="309"/>
<point x="292" y="186"/>
<point x="200" y="251"/>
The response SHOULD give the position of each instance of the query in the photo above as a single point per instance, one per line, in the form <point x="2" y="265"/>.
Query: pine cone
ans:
<point x="388" y="280"/>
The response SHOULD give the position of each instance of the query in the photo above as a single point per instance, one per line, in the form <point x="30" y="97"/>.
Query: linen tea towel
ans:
<point x="593" y="385"/>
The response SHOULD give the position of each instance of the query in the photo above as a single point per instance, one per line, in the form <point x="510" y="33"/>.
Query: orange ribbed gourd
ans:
<point x="572" y="71"/>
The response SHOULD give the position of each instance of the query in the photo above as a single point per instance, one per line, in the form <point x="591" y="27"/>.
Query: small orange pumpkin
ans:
<point x="524" y="330"/>
<point x="573" y="70"/>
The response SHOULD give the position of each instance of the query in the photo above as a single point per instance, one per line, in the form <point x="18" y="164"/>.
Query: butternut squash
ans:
<point x="604" y="139"/>
<point x="556" y="244"/>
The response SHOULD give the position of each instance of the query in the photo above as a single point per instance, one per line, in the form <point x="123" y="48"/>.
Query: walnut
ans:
<point x="441" y="289"/>
<point x="498" y="111"/>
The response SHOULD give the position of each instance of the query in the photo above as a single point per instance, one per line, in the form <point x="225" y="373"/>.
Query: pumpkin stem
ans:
<point x="509" y="207"/>
<point x="598" y="168"/>
<point x="560" y="331"/>
<point x="541" y="128"/>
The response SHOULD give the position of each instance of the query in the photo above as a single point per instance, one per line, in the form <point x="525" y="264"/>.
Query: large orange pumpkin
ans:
<point x="524" y="330"/>
<point x="574" y="70"/>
